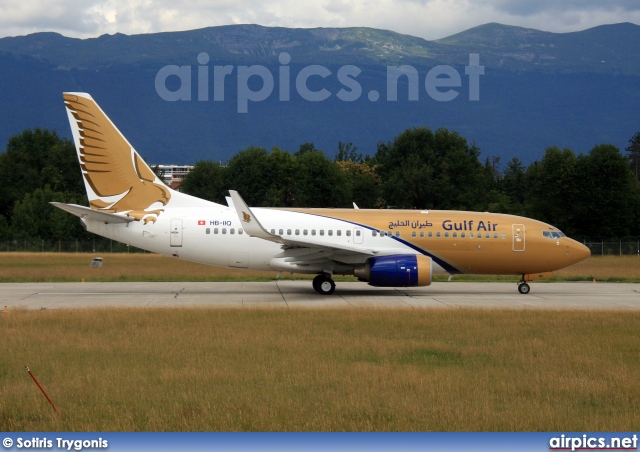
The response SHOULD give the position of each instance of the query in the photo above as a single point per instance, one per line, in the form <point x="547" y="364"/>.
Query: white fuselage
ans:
<point x="214" y="235"/>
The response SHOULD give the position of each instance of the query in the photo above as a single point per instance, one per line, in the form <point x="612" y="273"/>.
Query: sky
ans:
<point x="429" y="19"/>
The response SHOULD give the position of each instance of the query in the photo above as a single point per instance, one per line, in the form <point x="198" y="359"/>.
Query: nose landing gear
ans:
<point x="523" y="287"/>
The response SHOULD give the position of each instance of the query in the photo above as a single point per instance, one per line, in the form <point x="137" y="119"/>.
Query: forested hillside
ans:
<point x="535" y="89"/>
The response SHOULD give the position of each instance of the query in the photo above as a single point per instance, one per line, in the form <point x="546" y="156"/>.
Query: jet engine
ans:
<point x="396" y="271"/>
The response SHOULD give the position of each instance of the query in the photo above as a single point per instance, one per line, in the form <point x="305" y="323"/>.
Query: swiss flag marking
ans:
<point x="201" y="222"/>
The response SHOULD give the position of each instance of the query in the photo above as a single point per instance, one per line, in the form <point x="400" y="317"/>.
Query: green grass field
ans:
<point x="74" y="267"/>
<point x="320" y="370"/>
<point x="311" y="370"/>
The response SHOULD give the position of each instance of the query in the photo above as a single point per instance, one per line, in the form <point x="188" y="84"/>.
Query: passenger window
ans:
<point x="288" y="231"/>
<point x="348" y="233"/>
<point x="463" y="235"/>
<point x="438" y="234"/>
<point x="280" y="232"/>
<point x="455" y="235"/>
<point x="487" y="236"/>
<point x="413" y="234"/>
<point x="390" y="234"/>
<point x="305" y="232"/>
<point x="321" y="231"/>
<point x="240" y="231"/>
<point x="224" y="230"/>
<point x="397" y="233"/>
<point x="338" y="232"/>
<point x="208" y="231"/>
<point x="495" y="235"/>
<point x="374" y="233"/>
<point x="232" y="231"/>
<point x="504" y="235"/>
<point x="471" y="235"/>
<point x="313" y="232"/>
<point x="446" y="234"/>
<point x="215" y="230"/>
<point x="330" y="231"/>
<point x="297" y="231"/>
<point x="273" y="231"/>
<point x="358" y="233"/>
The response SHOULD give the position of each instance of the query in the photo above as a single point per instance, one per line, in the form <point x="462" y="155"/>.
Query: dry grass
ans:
<point x="74" y="267"/>
<point x="39" y="267"/>
<point x="603" y="268"/>
<point x="327" y="370"/>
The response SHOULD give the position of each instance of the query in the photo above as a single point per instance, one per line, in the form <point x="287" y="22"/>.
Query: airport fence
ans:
<point x="36" y="245"/>
<point x="613" y="247"/>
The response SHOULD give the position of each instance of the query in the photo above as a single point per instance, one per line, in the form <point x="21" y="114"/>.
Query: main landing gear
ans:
<point x="523" y="287"/>
<point x="323" y="284"/>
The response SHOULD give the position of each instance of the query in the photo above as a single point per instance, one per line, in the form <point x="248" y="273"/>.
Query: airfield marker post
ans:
<point x="43" y="391"/>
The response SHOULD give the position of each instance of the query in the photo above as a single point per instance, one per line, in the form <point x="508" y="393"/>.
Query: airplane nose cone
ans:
<point x="583" y="252"/>
<point x="578" y="252"/>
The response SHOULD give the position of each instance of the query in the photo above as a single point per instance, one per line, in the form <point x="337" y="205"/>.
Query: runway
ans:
<point x="299" y="294"/>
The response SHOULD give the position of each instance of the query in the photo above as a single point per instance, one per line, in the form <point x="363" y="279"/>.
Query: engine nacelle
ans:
<point x="396" y="271"/>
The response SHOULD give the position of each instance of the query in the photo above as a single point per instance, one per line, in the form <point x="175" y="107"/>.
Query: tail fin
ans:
<point x="115" y="177"/>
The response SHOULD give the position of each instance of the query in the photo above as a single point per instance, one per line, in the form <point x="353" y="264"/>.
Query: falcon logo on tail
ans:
<point x="116" y="178"/>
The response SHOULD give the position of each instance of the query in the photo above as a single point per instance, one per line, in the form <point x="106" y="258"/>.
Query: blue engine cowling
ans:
<point x="396" y="271"/>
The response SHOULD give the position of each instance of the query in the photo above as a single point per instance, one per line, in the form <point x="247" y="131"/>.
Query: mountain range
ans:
<point x="535" y="89"/>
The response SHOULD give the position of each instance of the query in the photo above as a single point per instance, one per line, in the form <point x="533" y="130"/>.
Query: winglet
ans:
<point x="248" y="220"/>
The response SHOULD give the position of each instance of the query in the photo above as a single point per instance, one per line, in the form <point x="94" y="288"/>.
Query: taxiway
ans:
<point x="299" y="294"/>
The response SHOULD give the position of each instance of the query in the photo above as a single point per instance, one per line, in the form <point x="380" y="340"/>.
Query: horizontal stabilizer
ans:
<point x="90" y="214"/>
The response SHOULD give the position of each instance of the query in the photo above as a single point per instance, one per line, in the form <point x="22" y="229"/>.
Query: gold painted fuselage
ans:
<point x="470" y="242"/>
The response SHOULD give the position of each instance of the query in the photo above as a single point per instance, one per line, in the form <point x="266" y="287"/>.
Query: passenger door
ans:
<point x="176" y="232"/>
<point x="519" y="235"/>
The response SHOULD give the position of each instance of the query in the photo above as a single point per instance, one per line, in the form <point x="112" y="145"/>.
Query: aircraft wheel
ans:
<point x="324" y="285"/>
<point x="524" y="288"/>
<point x="316" y="282"/>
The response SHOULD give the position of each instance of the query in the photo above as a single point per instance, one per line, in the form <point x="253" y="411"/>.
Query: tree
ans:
<point x="267" y="179"/>
<point x="512" y="185"/>
<point x="553" y="189"/>
<point x="364" y="184"/>
<point x="284" y="179"/>
<point x="33" y="159"/>
<point x="634" y="154"/>
<point x="608" y="203"/>
<point x="306" y="147"/>
<point x="249" y="172"/>
<point x="320" y="183"/>
<point x="33" y="216"/>
<point x="5" y="231"/>
<point x="425" y="169"/>
<point x="347" y="153"/>
<point x="207" y="181"/>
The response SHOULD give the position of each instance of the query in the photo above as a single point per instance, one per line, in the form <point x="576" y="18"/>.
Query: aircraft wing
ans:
<point x="302" y="251"/>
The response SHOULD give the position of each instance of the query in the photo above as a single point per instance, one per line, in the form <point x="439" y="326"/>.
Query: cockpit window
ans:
<point x="553" y="234"/>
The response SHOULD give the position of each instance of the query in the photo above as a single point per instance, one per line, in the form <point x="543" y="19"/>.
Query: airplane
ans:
<point x="386" y="248"/>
